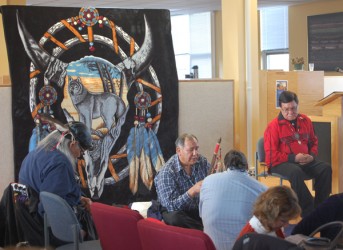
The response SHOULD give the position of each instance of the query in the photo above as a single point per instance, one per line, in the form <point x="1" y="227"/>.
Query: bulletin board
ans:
<point x="325" y="41"/>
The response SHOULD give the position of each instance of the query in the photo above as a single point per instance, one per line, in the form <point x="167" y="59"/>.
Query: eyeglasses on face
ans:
<point x="288" y="110"/>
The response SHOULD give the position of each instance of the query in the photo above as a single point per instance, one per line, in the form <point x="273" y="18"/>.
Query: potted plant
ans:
<point x="298" y="63"/>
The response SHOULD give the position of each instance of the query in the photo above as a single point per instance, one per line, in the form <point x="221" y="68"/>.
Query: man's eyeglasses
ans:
<point x="288" y="110"/>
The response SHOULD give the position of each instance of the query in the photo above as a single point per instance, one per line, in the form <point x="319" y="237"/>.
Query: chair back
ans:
<point x="261" y="155"/>
<point x="336" y="226"/>
<point x="116" y="227"/>
<point x="159" y="236"/>
<point x="60" y="217"/>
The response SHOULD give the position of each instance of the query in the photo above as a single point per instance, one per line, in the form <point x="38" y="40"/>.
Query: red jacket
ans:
<point x="249" y="229"/>
<point x="282" y="142"/>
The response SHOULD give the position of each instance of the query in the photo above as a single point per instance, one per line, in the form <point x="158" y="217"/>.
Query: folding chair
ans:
<point x="260" y="156"/>
<point x="60" y="217"/>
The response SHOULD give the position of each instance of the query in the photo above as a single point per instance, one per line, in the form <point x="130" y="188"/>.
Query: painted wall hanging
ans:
<point x="114" y="70"/>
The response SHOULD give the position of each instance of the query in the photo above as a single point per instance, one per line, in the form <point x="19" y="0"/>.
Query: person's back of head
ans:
<point x="235" y="159"/>
<point x="275" y="203"/>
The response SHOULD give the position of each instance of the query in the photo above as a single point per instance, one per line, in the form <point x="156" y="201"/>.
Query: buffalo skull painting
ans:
<point x="87" y="67"/>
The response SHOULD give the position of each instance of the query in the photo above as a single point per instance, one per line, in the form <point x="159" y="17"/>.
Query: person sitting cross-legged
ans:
<point x="178" y="184"/>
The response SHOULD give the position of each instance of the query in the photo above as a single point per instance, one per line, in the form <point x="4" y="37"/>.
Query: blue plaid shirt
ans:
<point x="172" y="184"/>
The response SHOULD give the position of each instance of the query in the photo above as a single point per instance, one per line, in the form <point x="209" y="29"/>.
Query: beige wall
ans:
<point x="240" y="63"/>
<point x="4" y="71"/>
<point x="297" y="16"/>
<point x="215" y="99"/>
<point x="6" y="138"/>
<point x="234" y="63"/>
<point x="218" y="41"/>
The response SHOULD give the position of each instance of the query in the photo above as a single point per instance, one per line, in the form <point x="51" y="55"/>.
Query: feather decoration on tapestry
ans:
<point x="155" y="151"/>
<point x="143" y="149"/>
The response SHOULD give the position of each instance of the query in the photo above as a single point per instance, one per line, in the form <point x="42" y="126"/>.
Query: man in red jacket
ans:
<point x="291" y="147"/>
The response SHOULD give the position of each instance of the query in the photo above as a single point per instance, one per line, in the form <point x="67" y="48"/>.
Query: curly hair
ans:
<point x="276" y="202"/>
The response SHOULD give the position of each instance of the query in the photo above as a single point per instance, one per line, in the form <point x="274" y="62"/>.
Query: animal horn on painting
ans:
<point x="55" y="70"/>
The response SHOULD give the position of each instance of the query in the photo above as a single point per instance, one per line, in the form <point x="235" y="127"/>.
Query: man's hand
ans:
<point x="195" y="190"/>
<point x="86" y="203"/>
<point x="303" y="159"/>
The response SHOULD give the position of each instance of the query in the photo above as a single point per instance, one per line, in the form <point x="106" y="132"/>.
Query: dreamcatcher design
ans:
<point x="142" y="149"/>
<point x="144" y="153"/>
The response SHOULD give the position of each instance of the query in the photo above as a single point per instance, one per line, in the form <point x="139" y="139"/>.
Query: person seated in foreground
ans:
<point x="328" y="211"/>
<point x="227" y="199"/>
<point x="291" y="147"/>
<point x="272" y="211"/>
<point x="178" y="184"/>
<point x="51" y="167"/>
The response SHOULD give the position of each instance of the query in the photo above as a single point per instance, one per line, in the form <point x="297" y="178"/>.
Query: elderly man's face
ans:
<point x="289" y="110"/>
<point x="188" y="154"/>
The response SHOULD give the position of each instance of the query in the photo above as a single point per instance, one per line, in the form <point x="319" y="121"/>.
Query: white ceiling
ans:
<point x="175" y="6"/>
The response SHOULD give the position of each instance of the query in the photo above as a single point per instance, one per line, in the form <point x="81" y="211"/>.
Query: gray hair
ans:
<point x="57" y="140"/>
<point x="235" y="159"/>
<point x="180" y="141"/>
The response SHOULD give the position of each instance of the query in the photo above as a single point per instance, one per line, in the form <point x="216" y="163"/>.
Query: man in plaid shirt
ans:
<point x="178" y="184"/>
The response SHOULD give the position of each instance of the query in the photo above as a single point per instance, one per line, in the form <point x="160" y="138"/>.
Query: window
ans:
<point x="274" y="38"/>
<point x="192" y="43"/>
<point x="275" y="59"/>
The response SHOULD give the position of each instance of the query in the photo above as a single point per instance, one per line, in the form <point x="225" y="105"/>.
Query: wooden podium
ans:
<point x="332" y="104"/>
<point x="330" y="135"/>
